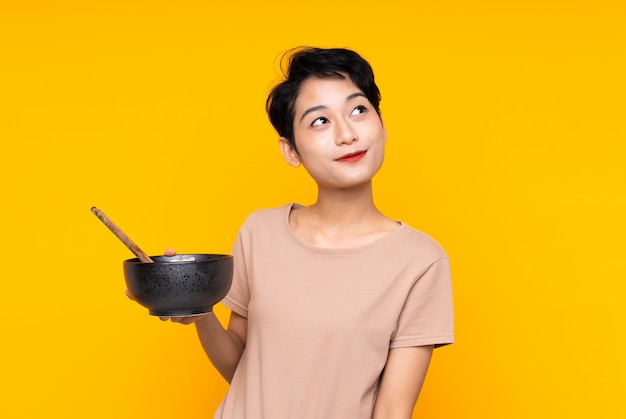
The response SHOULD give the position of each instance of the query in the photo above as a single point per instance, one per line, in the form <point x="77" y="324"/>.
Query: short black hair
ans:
<point x="298" y="65"/>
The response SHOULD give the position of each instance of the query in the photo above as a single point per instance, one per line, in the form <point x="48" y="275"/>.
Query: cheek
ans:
<point x="379" y="153"/>
<point x="380" y="157"/>
<point x="307" y="157"/>
<point x="313" y="147"/>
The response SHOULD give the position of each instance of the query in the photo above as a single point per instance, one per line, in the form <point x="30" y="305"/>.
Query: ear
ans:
<point x="289" y="153"/>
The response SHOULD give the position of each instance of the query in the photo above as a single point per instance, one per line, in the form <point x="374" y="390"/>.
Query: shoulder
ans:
<point x="268" y="214"/>
<point x="420" y="243"/>
<point x="266" y="218"/>
<point x="265" y="226"/>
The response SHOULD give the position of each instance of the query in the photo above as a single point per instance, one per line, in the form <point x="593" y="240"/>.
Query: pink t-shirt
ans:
<point x="321" y="321"/>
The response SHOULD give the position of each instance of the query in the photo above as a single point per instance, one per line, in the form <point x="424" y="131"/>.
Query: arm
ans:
<point x="401" y="382"/>
<point x="224" y="347"/>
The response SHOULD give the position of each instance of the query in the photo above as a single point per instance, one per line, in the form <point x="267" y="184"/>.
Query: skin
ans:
<point x="332" y="119"/>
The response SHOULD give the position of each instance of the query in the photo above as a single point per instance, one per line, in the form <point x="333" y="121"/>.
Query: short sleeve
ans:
<point x="427" y="315"/>
<point x="238" y="297"/>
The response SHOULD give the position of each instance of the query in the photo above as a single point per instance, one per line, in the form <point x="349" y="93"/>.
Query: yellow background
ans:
<point x="506" y="126"/>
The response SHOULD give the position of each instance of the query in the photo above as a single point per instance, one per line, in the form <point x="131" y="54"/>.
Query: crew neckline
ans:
<point x="335" y="250"/>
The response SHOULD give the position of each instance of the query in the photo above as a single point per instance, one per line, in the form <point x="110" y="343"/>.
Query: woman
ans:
<point x="336" y="308"/>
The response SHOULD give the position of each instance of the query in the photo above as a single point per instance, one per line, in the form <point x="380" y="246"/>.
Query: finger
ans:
<point x="183" y="319"/>
<point x="170" y="252"/>
<point x="128" y="295"/>
<point x="164" y="318"/>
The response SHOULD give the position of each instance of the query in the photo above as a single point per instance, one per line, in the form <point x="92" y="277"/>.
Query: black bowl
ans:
<point x="177" y="286"/>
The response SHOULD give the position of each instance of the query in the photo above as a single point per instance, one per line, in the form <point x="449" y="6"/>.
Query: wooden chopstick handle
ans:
<point x="122" y="236"/>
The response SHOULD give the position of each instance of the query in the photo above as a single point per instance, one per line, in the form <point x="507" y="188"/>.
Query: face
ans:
<point x="339" y="135"/>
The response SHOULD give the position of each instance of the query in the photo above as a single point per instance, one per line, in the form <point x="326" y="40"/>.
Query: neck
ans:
<point x="345" y="207"/>
<point x="341" y="218"/>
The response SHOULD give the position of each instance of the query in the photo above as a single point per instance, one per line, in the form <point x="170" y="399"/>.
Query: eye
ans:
<point x="319" y="121"/>
<point x="359" y="110"/>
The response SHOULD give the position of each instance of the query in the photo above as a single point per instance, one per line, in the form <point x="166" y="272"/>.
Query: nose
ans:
<point x="345" y="133"/>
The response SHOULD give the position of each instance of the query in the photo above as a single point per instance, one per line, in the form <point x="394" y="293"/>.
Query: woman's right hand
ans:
<point x="186" y="319"/>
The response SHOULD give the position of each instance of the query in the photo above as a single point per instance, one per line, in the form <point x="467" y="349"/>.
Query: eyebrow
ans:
<point x="320" y="107"/>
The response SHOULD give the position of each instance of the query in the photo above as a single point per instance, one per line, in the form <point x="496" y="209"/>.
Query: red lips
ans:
<point x="352" y="157"/>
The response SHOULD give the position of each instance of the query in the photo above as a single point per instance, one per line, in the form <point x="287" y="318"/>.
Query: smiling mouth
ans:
<point x="352" y="157"/>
